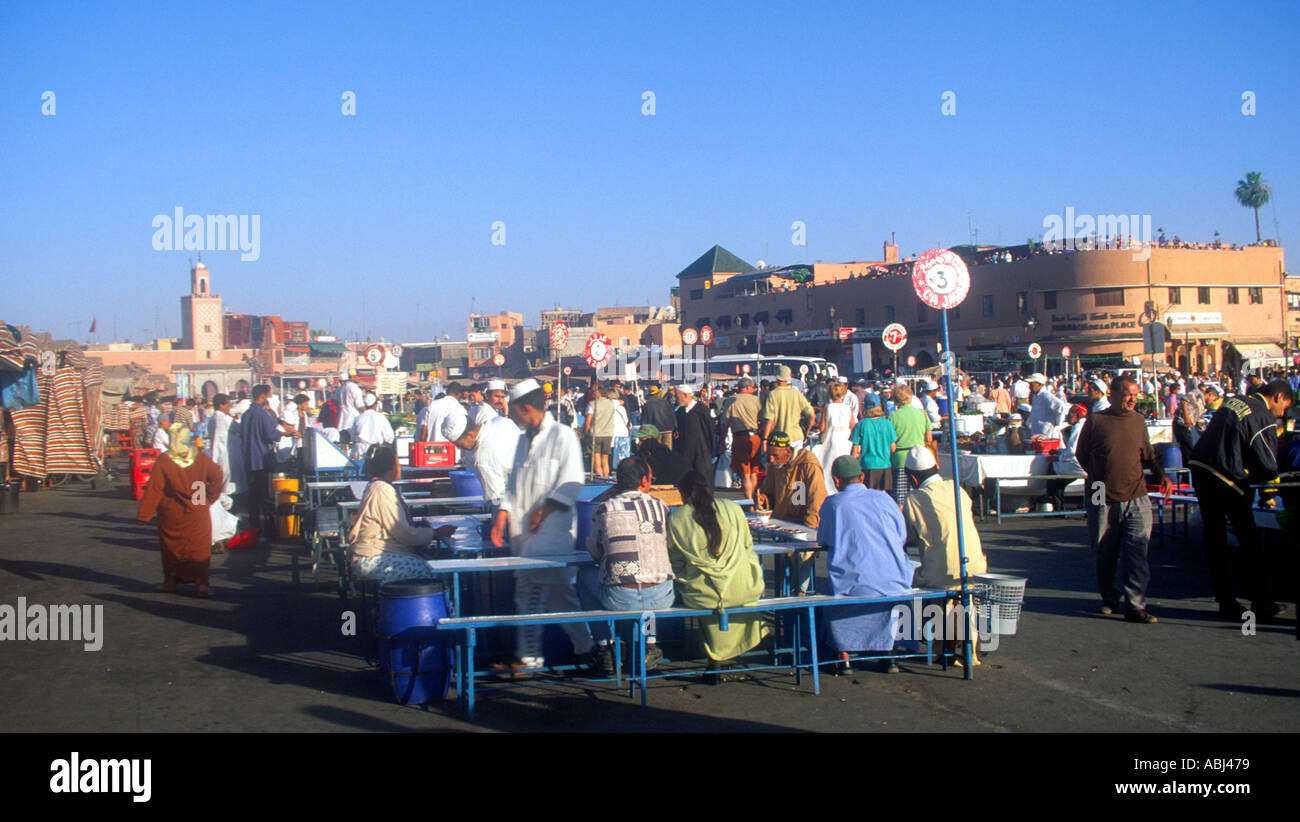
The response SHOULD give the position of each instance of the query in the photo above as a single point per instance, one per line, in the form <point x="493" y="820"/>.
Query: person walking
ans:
<point x="1113" y="449"/>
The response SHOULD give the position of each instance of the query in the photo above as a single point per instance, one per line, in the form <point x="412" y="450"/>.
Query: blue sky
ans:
<point x="467" y="114"/>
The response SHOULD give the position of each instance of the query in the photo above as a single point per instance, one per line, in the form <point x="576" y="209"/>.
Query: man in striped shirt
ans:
<point x="629" y="539"/>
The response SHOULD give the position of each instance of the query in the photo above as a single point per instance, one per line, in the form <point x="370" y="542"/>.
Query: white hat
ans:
<point x="1016" y="417"/>
<point x="343" y="375"/>
<point x="369" y="398"/>
<point x="931" y="385"/>
<point x="524" y="388"/>
<point x="1099" y="385"/>
<point x="454" y="425"/>
<point x="1212" y="386"/>
<point x="495" y="385"/>
<point x="1038" y="378"/>
<point x="1026" y="407"/>
<point x="687" y="388"/>
<point x="844" y="380"/>
<point x="919" y="459"/>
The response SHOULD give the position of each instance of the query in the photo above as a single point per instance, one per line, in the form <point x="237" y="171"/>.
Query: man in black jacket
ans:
<point x="666" y="468"/>
<point x="656" y="412"/>
<point x="1238" y="450"/>
<point x="694" y="441"/>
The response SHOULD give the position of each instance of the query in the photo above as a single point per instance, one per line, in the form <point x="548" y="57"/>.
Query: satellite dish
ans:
<point x="762" y="263"/>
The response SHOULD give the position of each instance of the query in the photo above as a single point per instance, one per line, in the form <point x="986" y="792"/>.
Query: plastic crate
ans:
<point x="433" y="455"/>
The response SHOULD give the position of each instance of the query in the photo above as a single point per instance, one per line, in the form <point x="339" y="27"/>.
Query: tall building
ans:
<point x="201" y="323"/>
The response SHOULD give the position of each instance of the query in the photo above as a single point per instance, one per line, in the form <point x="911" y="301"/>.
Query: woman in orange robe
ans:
<point x="184" y="483"/>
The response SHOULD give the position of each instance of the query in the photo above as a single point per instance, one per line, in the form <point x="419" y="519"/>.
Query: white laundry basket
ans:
<point x="998" y="599"/>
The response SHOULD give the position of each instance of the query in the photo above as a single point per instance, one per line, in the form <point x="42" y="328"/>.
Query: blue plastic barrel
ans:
<point x="1171" y="456"/>
<point x="943" y="408"/>
<point x="465" y="484"/>
<point x="416" y="664"/>
<point x="585" y="509"/>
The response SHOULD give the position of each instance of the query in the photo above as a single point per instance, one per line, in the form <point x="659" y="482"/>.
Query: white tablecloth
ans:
<point x="975" y="468"/>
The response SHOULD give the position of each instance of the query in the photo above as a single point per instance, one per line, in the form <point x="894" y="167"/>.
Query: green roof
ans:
<point x="716" y="259"/>
<point x="327" y="348"/>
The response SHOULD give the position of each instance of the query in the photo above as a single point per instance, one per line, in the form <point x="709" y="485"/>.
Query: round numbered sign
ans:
<point x="568" y="369"/>
<point x="911" y="362"/>
<point x="397" y="350"/>
<point x="706" y="335"/>
<point x="940" y="279"/>
<point x="498" y="359"/>
<point x="803" y="370"/>
<point x="559" y="335"/>
<point x="598" y="350"/>
<point x="1260" y="353"/>
<point x="375" y="354"/>
<point x="895" y="336"/>
<point x="689" y="336"/>
<point x="1065" y="351"/>
<point x="1035" y="351"/>
<point x="321" y="382"/>
<point x="744" y="368"/>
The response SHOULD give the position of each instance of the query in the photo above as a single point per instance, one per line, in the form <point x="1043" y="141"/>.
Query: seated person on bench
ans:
<point x="629" y="534"/>
<point x="930" y="514"/>
<point x="793" y="491"/>
<point x="384" y="544"/>
<point x="864" y="533"/>
<point x="714" y="565"/>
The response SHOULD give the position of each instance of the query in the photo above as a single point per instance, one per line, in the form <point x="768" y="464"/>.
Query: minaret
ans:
<point x="201" y="316"/>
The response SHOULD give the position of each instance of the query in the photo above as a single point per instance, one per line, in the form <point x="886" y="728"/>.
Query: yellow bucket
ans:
<point x="287" y="526"/>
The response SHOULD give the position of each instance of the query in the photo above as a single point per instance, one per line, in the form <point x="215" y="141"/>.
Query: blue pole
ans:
<point x="967" y="645"/>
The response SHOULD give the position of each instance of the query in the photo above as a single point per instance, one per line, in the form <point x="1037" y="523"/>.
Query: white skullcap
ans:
<point x="688" y="388"/>
<point x="1099" y="385"/>
<point x="369" y="398"/>
<point x="931" y="385"/>
<point x="919" y="458"/>
<point x="1026" y="407"/>
<point x="496" y="385"/>
<point x="524" y="388"/>
<point x="454" y="425"/>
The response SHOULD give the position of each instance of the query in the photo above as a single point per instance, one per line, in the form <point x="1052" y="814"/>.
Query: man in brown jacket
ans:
<point x="1113" y="449"/>
<point x="793" y="490"/>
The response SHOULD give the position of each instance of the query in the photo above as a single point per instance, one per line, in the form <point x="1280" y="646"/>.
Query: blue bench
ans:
<point x="466" y="629"/>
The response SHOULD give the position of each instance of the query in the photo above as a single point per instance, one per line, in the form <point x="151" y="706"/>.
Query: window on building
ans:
<point x="922" y="314"/>
<point x="1293" y="302"/>
<point x="207" y="328"/>
<point x="988" y="305"/>
<point x="1108" y="296"/>
<point x="889" y="314"/>
<point x="1175" y="296"/>
<point x="697" y="293"/>
<point x="1256" y="296"/>
<point x="1203" y="295"/>
<point x="859" y="316"/>
<point x="1022" y="302"/>
<point x="1233" y="296"/>
<point x="1049" y="299"/>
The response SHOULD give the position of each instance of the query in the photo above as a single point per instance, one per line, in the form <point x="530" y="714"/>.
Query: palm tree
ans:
<point x="1253" y="192"/>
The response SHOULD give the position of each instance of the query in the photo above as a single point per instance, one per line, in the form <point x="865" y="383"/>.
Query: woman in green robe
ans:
<point x="712" y="555"/>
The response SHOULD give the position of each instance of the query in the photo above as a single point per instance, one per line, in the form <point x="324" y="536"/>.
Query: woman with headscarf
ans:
<point x="184" y="483"/>
<point x="714" y="565"/>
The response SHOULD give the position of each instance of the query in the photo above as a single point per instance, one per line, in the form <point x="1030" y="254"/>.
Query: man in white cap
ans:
<point x="1097" y="399"/>
<point x="694" y="442"/>
<point x="479" y="409"/>
<point x="930" y="513"/>
<point x="444" y="420"/>
<point x="930" y="405"/>
<point x="492" y="444"/>
<point x="348" y="400"/>
<point x="537" y="510"/>
<point x="498" y="398"/>
<point x="1048" y="410"/>
<point x="371" y="428"/>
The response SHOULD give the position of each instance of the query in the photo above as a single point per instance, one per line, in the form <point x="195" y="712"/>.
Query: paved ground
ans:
<point x="267" y="652"/>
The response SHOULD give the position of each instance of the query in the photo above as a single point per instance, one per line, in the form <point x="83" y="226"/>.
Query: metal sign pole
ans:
<point x="967" y="645"/>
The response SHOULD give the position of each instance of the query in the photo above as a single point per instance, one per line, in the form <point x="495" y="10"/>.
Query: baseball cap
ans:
<point x="846" y="467"/>
<point x="646" y="431"/>
<point x="778" y="440"/>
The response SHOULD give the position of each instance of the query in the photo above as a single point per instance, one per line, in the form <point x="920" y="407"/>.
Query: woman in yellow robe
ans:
<point x="712" y="556"/>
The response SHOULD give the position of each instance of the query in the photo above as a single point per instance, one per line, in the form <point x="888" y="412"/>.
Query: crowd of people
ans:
<point x="856" y="464"/>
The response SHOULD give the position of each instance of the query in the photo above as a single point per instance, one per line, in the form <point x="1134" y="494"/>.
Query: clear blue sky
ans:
<point x="470" y="113"/>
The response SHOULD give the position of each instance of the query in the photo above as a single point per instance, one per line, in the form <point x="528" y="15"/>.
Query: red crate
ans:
<point x="433" y="455"/>
<point x="137" y="489"/>
<point x="144" y="456"/>
<point x="140" y="474"/>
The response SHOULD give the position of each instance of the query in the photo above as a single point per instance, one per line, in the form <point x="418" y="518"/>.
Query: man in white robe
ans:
<point x="1048" y="410"/>
<point x="370" y="428"/>
<point x="348" y="400"/>
<point x="492" y="445"/>
<point x="444" y="420"/>
<point x="226" y="450"/>
<point x="537" y="510"/>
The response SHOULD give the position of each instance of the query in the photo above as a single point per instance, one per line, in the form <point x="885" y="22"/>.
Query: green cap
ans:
<point x="647" y="431"/>
<point x="846" y="467"/>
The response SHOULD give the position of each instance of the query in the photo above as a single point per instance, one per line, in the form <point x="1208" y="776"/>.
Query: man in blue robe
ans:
<point x="864" y="533"/>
